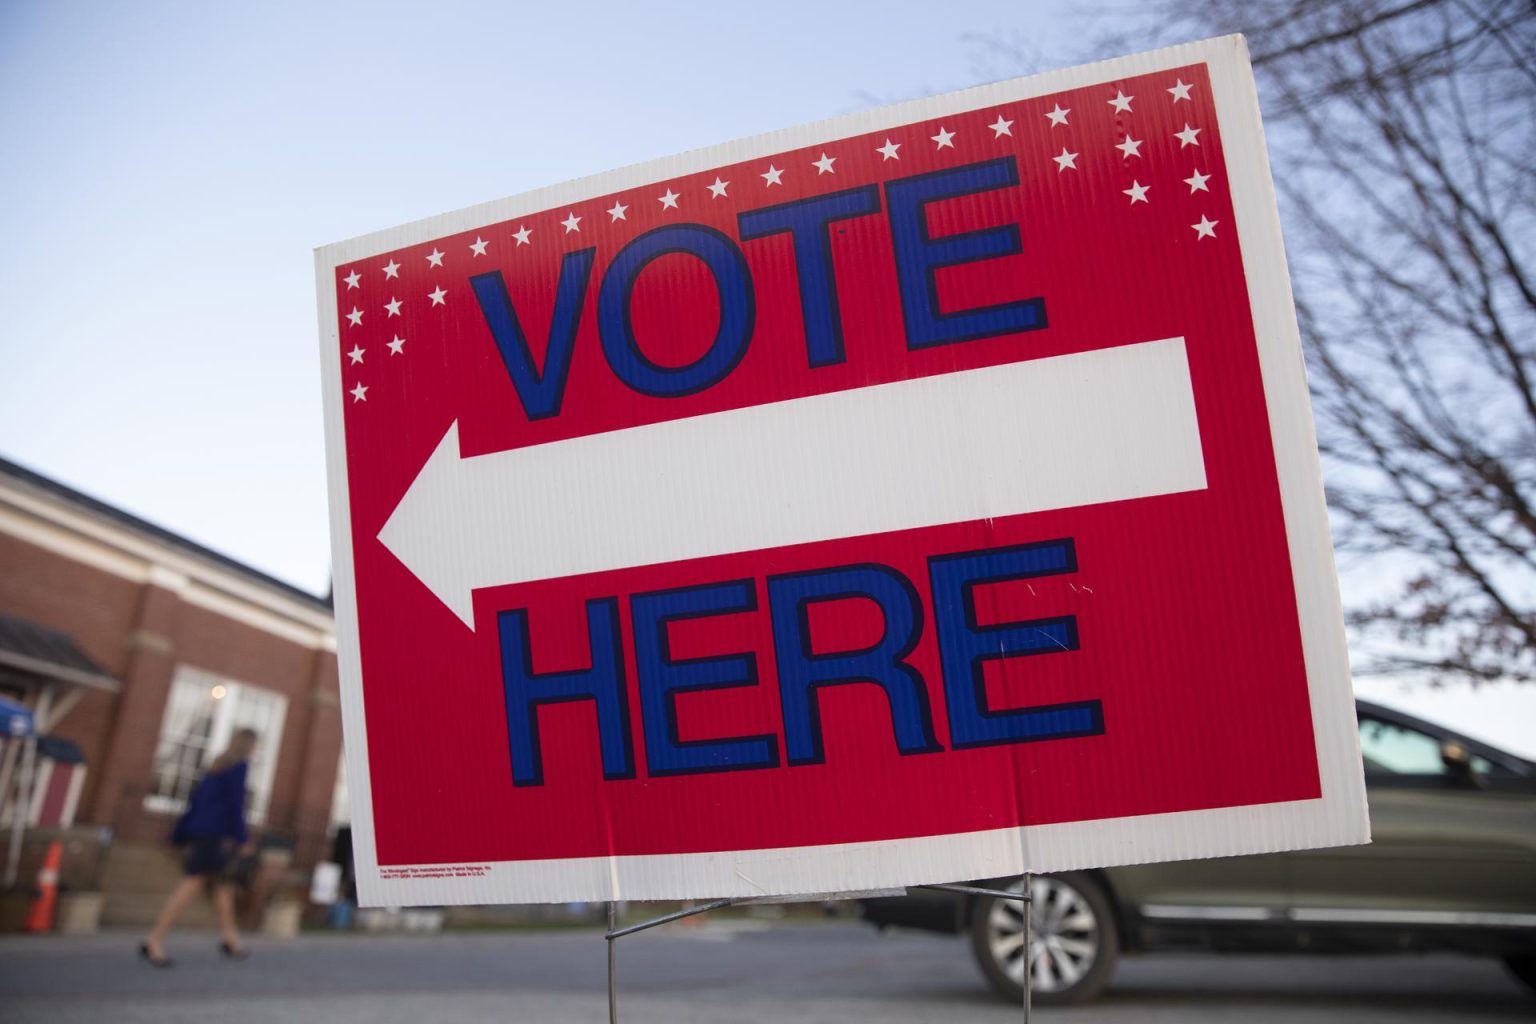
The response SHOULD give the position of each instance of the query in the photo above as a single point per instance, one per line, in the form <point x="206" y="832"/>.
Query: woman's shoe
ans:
<point x="233" y="952"/>
<point x="150" y="958"/>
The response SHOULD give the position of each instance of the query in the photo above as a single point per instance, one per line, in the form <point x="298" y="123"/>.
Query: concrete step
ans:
<point x="136" y="879"/>
<point x="139" y="910"/>
<point x="132" y="868"/>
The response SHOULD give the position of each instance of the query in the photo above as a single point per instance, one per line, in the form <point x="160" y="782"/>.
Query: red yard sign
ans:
<point x="920" y="496"/>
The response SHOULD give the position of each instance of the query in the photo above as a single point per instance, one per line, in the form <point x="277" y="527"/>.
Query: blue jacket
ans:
<point x="217" y="807"/>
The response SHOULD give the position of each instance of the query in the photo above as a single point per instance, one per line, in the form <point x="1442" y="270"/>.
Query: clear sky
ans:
<point x="167" y="168"/>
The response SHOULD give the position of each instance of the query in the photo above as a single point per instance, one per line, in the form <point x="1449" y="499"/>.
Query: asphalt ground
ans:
<point x="726" y="972"/>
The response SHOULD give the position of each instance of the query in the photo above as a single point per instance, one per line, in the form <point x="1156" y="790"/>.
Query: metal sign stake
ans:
<point x="1029" y="945"/>
<point x="1022" y="896"/>
<point x="613" y="988"/>
<point x="615" y="933"/>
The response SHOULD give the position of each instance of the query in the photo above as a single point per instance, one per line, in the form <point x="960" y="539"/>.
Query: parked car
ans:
<point x="1452" y="866"/>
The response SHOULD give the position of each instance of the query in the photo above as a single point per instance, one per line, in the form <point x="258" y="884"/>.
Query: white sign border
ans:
<point x="1339" y="817"/>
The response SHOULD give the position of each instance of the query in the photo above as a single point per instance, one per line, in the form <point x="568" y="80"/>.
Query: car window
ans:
<point x="1389" y="748"/>
<point x="1483" y="766"/>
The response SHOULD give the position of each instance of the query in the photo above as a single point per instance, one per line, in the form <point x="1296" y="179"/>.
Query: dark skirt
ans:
<point x="207" y="855"/>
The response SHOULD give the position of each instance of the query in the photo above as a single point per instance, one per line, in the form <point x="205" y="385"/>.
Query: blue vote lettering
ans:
<point x="602" y="683"/>
<point x="662" y="678"/>
<point x="965" y="646"/>
<point x="919" y="257"/>
<point x="803" y="674"/>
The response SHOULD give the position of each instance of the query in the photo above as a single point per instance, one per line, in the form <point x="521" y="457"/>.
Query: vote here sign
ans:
<point x="924" y="495"/>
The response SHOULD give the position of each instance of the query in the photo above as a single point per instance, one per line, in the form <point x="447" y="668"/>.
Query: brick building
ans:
<point x="187" y="645"/>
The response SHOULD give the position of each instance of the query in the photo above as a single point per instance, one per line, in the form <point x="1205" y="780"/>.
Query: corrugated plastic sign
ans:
<point x="924" y="495"/>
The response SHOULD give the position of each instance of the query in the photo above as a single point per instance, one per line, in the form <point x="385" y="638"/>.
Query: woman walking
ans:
<point x="213" y="830"/>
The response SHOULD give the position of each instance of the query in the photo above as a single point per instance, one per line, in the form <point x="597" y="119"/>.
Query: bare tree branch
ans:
<point x="1403" y="137"/>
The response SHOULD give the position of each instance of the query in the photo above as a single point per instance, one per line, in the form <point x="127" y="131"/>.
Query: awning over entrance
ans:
<point x="31" y="653"/>
<point x="51" y="674"/>
<point x="16" y="718"/>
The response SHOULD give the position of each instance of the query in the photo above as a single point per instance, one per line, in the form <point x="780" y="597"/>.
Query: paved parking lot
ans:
<point x="713" y="973"/>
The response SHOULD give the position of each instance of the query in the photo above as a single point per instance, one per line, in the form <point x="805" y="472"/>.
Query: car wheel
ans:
<point x="1524" y="968"/>
<point x="1074" y="947"/>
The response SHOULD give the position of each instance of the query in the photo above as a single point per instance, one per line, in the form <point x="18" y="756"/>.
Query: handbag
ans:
<point x="240" y="870"/>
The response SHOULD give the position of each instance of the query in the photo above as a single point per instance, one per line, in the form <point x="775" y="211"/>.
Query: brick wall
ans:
<point x="140" y="631"/>
<point x="97" y="609"/>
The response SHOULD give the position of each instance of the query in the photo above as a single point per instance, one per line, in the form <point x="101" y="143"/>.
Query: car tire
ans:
<point x="1076" y="940"/>
<point x="1524" y="968"/>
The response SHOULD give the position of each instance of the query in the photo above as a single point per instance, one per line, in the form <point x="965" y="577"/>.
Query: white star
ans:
<point x="1059" y="115"/>
<point x="356" y="355"/>
<point x="1130" y="147"/>
<point x="437" y="296"/>
<point x="771" y="176"/>
<point x="943" y="139"/>
<point x="718" y="188"/>
<point x="393" y="305"/>
<point x="435" y="257"/>
<point x="889" y="150"/>
<point x="356" y="316"/>
<point x="668" y="200"/>
<point x="1137" y="192"/>
<point x="391" y="269"/>
<point x="1197" y="183"/>
<point x="824" y="165"/>
<point x="1180" y="91"/>
<point x="352" y="279"/>
<point x="521" y="234"/>
<point x="478" y="248"/>
<point x="396" y="346"/>
<point x="1187" y="136"/>
<point x="572" y="223"/>
<point x="1065" y="160"/>
<point x="1206" y="228"/>
<point x="360" y="393"/>
<point x="1121" y="102"/>
<point x="617" y="212"/>
<point x="1001" y="127"/>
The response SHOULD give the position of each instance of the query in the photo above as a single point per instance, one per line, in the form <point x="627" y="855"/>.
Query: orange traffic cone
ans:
<point x="40" y="919"/>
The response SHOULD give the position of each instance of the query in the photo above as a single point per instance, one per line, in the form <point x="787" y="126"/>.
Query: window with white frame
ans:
<point x="203" y="712"/>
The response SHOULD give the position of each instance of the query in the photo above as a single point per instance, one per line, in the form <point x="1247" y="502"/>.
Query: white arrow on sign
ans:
<point x="1043" y="434"/>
